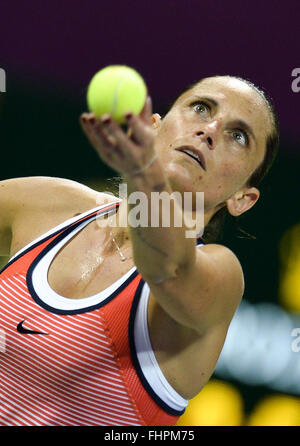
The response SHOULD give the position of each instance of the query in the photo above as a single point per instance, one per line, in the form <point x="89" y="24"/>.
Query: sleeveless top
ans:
<point x="77" y="362"/>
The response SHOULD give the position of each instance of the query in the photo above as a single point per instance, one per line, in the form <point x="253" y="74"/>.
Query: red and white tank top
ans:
<point x="77" y="362"/>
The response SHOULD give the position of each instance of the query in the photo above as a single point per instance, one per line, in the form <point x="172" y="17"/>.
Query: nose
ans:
<point x="209" y="133"/>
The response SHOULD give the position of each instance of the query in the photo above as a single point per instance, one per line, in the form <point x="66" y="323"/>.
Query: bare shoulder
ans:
<point x="51" y="193"/>
<point x="30" y="206"/>
<point x="205" y="294"/>
<point x="222" y="255"/>
<point x="224" y="260"/>
<point x="19" y="188"/>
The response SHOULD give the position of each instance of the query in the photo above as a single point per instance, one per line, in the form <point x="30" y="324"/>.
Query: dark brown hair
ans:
<point x="214" y="230"/>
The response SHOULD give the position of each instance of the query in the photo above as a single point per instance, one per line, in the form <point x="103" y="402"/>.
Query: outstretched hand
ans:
<point x="126" y="152"/>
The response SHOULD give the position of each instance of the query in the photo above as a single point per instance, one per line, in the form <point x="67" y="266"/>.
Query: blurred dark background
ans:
<point x="50" y="51"/>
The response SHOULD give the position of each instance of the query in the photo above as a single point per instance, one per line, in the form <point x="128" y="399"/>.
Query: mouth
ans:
<point x="193" y="153"/>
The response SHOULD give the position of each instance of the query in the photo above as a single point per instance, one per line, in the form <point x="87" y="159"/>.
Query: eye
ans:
<point x="241" y="137"/>
<point x="200" y="107"/>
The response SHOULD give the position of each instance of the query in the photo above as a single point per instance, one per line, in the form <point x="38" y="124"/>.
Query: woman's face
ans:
<point x="225" y="122"/>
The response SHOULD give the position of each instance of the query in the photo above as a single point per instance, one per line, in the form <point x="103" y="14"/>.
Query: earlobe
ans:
<point x="242" y="201"/>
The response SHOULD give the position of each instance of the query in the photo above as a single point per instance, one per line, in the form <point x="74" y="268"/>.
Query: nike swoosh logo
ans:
<point x="24" y="330"/>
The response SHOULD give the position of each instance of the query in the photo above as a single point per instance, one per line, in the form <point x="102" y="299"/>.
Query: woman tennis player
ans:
<point x="122" y="325"/>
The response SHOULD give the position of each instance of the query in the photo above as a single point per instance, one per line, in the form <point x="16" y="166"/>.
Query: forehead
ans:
<point x="236" y="99"/>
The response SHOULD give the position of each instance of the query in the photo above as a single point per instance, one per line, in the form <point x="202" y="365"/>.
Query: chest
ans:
<point x="88" y="264"/>
<point x="83" y="267"/>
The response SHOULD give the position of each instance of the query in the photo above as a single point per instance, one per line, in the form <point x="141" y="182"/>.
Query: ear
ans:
<point x="156" y="121"/>
<point x="242" y="201"/>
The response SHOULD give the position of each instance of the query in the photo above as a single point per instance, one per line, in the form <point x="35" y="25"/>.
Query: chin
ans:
<point x="180" y="179"/>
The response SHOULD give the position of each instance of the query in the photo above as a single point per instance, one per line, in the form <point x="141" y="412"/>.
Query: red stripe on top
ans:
<point x="81" y="371"/>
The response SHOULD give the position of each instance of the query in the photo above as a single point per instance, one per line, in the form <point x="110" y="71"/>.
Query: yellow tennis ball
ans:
<point x="218" y="404"/>
<point x="276" y="410"/>
<point x="116" y="89"/>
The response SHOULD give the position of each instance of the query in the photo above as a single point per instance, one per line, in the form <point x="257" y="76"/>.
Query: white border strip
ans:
<point x="147" y="360"/>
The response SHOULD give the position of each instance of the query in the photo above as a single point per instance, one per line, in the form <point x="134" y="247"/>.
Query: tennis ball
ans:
<point x="116" y="89"/>
<point x="218" y="404"/>
<point x="276" y="410"/>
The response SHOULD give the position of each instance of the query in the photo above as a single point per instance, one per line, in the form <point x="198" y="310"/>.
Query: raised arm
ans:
<point x="196" y="287"/>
